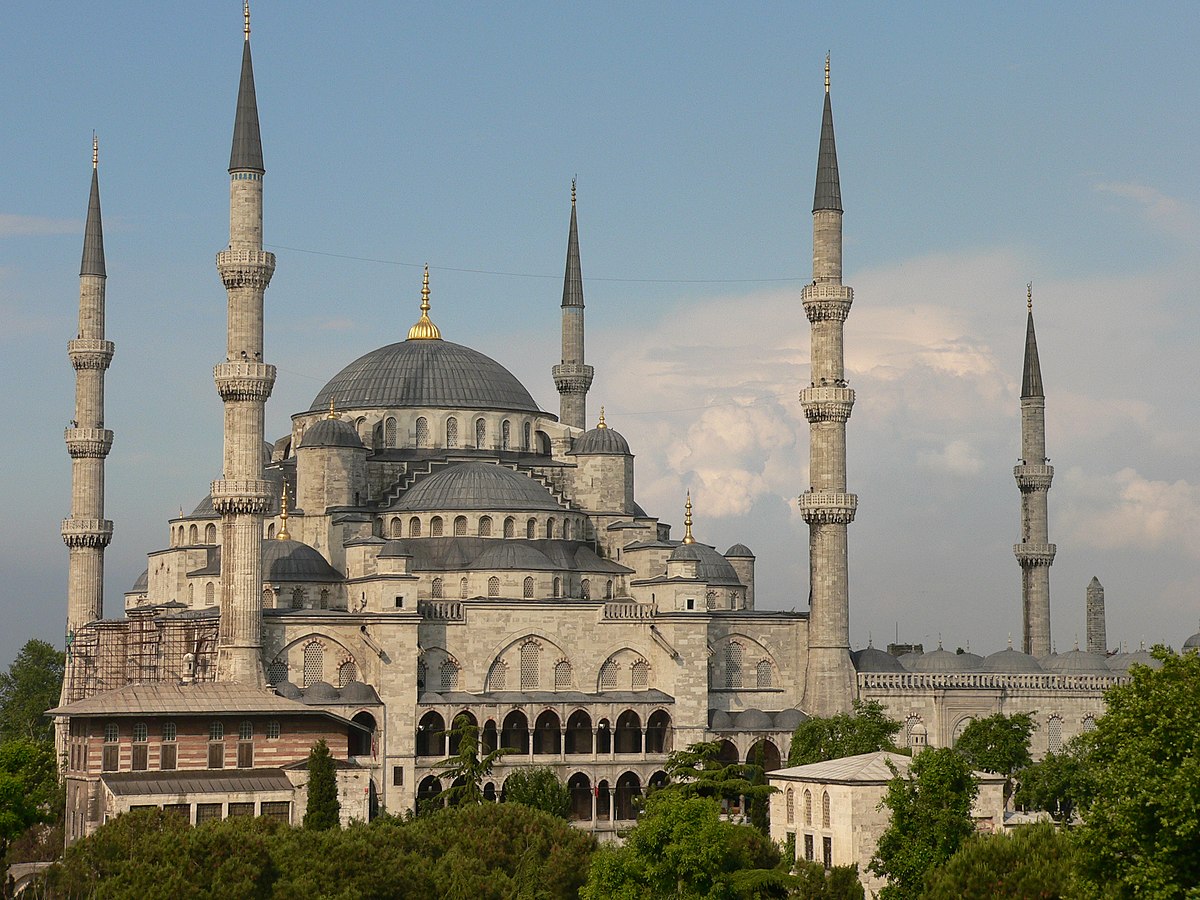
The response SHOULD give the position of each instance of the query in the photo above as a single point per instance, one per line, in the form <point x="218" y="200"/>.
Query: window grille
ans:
<point x="557" y="587"/>
<point x="460" y="526"/>
<point x="421" y="675"/>
<point x="827" y="851"/>
<point x="825" y="810"/>
<point x="397" y="776"/>
<point x="462" y="588"/>
<point x="435" y="526"/>
<point x="209" y="594"/>
<point x="452" y="432"/>
<point x="422" y="431"/>
<point x="389" y="433"/>
<point x="640" y="675"/>
<point x="550" y="529"/>
<point x="210" y="534"/>
<point x="505" y="434"/>
<point x="216" y="731"/>
<point x="276" y="809"/>
<point x="435" y="590"/>
<point x="608" y="589"/>
<point x="585" y="589"/>
<point x="766" y="677"/>
<point x="277" y="672"/>
<point x="448" y="675"/>
<point x="347" y="672"/>
<point x="1089" y="723"/>
<point x="562" y="676"/>
<point x="396" y="528"/>
<point x="526" y="435"/>
<point x="531" y="529"/>
<point x="324" y="599"/>
<point x="314" y="663"/>
<point x="246" y="730"/>
<point x="1054" y="734"/>
<point x="273" y="730"/>
<point x="527" y="591"/>
<point x="790" y="804"/>
<point x="808" y="847"/>
<point x="141" y="732"/>
<point x="207" y="812"/>
<point x="808" y="808"/>
<point x="531" y="653"/>
<point x="298" y="598"/>
<point x="493" y="586"/>
<point x="498" y="677"/>
<point x="510" y="527"/>
<point x="414" y="527"/>
<point x="485" y="526"/>
<point x="241" y="809"/>
<point x="733" y="665"/>
<point x="168" y="731"/>
<point x="480" y="433"/>
<point x="608" y="676"/>
<point x="711" y="600"/>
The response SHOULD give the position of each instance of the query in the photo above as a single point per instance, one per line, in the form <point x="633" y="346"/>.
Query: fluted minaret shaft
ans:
<point x="1097" y="638"/>
<point x="1035" y="553"/>
<point x="86" y="533"/>
<point x="572" y="377"/>
<point x="827" y="506"/>
<point x="242" y="496"/>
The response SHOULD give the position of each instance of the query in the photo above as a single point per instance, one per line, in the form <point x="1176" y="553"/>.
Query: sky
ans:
<point x="981" y="147"/>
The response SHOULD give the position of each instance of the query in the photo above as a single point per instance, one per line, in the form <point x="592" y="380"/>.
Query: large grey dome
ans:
<point x="711" y="566"/>
<point x="940" y="660"/>
<point x="422" y="373"/>
<point x="477" y="486"/>
<point x="603" y="441"/>
<point x="1076" y="662"/>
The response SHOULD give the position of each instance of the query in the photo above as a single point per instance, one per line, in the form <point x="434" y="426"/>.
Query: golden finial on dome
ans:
<point x="1029" y="296"/>
<point x="601" y="424"/>
<point x="95" y="150"/>
<point x="827" y="71"/>
<point x="246" y="13"/>
<point x="424" y="330"/>
<point x="283" y="532"/>
<point x="687" y="521"/>
<point x="332" y="414"/>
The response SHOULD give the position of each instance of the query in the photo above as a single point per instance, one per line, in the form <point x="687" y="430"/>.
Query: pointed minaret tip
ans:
<point x="573" y="277"/>
<point x="828" y="194"/>
<point x="93" y="231"/>
<point x="246" y="153"/>
<point x="1031" y="376"/>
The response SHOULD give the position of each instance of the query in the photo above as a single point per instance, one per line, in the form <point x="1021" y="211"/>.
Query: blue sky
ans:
<point x="981" y="146"/>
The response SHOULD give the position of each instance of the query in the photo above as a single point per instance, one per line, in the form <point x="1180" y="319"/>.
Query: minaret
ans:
<point x="86" y="533"/>
<point x="242" y="496"/>
<point x="827" y="506"/>
<point x="1035" y="553"/>
<point x="571" y="376"/>
<point x="1097" y="640"/>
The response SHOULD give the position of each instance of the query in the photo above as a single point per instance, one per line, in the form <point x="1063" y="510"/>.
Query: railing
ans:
<point x="441" y="610"/>
<point x="1051" y="681"/>
<point x="628" y="611"/>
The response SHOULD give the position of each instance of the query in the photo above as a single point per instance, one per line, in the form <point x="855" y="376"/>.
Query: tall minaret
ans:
<point x="1097" y="639"/>
<point x="827" y="506"/>
<point x="244" y="381"/>
<point x="1035" y="553"/>
<point x="86" y="533"/>
<point x="571" y="376"/>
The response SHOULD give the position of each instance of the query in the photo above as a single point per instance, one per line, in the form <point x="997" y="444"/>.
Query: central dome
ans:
<point x="425" y="373"/>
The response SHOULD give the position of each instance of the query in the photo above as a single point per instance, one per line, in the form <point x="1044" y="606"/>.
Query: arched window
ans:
<point x="462" y="588"/>
<point x="608" y="589"/>
<point x="531" y="652"/>
<point x="640" y="674"/>
<point x="527" y="590"/>
<point x="765" y="675"/>
<point x="389" y="432"/>
<point x="422" y="431"/>
<point x="531" y="529"/>
<point x="480" y="434"/>
<point x="210" y="533"/>
<point x="710" y="600"/>
<point x="414" y="527"/>
<point x="505" y="434"/>
<point x="193" y="535"/>
<point x="1054" y="741"/>
<point x="566" y="530"/>
<point x="493" y="586"/>
<point x="210" y="592"/>
<point x="324" y="598"/>
<point x="550" y="529"/>
<point x="452" y="432"/>
<point x="277" y="672"/>
<point x="397" y="529"/>
<point x="608" y="676"/>
<point x="435" y="526"/>
<point x="733" y="665"/>
<point x="364" y="431"/>
<point x="271" y="532"/>
<point x="216" y="731"/>
<point x="562" y="676"/>
<point x="498" y="677"/>
<point x="807" y="807"/>
<point x="526" y="437"/>
<point x="585" y="589"/>
<point x="1089" y="723"/>
<point x="314" y="663"/>
<point x="347" y="672"/>
<point x="168" y="732"/>
<point x="510" y="527"/>
<point x="485" y="526"/>
<point x="245" y="730"/>
<point x="448" y="675"/>
<point x="557" y="587"/>
<point x="141" y="733"/>
<point x="790" y="805"/>
<point x="460" y="526"/>
<point x="959" y="729"/>
<point x="298" y="598"/>
<point x="825" y="810"/>
<point x="435" y="590"/>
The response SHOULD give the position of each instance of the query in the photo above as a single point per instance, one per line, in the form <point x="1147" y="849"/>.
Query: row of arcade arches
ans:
<point x="550" y="735"/>
<point x="602" y="800"/>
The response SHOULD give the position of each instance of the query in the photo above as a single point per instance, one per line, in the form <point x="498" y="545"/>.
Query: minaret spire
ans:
<point x="1034" y="475"/>
<point x="572" y="377"/>
<point x="86" y="533"/>
<point x="424" y="329"/>
<point x="827" y="506"/>
<point x="242" y="495"/>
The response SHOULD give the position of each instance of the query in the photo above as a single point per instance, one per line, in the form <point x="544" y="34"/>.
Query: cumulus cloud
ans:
<point x="1124" y="510"/>
<point x="957" y="457"/>
<point x="1165" y="212"/>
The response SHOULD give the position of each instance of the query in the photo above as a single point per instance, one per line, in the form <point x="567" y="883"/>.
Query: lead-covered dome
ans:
<point x="711" y="566"/>
<point x="601" y="441"/>
<point x="425" y="373"/>
<point x="294" y="561"/>
<point x="872" y="659"/>
<point x="477" y="486"/>
<point x="331" y="433"/>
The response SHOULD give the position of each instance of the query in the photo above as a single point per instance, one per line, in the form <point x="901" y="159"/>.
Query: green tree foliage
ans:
<point x="812" y="881"/>
<point x="1140" y="835"/>
<point x="466" y="770"/>
<point x="30" y="687"/>
<point x="681" y="848"/>
<point x="1035" y="861"/>
<point x="699" y="772"/>
<point x="758" y="802"/>
<point x="931" y="816"/>
<point x="539" y="788"/>
<point x="998" y="744"/>
<point x="866" y="730"/>
<point x="1057" y="783"/>
<point x="324" y="810"/>
<point x="29" y="787"/>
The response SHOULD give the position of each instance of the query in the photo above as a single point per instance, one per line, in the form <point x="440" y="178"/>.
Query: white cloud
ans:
<point x="1166" y="212"/>
<point x="957" y="457"/>
<point x="1126" y="510"/>
<point x="13" y="225"/>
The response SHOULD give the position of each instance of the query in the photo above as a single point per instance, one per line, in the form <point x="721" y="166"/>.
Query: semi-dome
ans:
<point x="788" y="719"/>
<point x="753" y="719"/>
<point x="719" y="720"/>
<point x="1011" y="662"/>
<point x="331" y="433"/>
<point x="475" y="485"/>
<point x="1076" y="662"/>
<point x="601" y="441"/>
<point x="739" y="551"/>
<point x="294" y="561"/>
<point x="425" y="373"/>
<point x="872" y="659"/>
<point x="711" y="566"/>
<point x="320" y="692"/>
<point x="940" y="660"/>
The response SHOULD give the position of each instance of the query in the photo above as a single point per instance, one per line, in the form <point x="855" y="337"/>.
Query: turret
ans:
<point x="1097" y="639"/>
<point x="571" y="377"/>
<point x="242" y="496"/>
<point x="86" y="533"/>
<point x="331" y="466"/>
<point x="603" y="477"/>
<point x="827" y="506"/>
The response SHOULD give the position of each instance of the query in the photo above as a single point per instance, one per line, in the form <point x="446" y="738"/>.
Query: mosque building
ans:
<point x="426" y="544"/>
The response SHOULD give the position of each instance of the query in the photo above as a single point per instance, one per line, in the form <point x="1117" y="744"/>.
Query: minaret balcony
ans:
<point x="825" y="301"/>
<point x="828" y="508"/>
<point x="89" y="353"/>
<point x="246" y="268"/>
<point x="1033" y="478"/>
<point x="244" y="380"/>
<point x="88" y="443"/>
<point x="1029" y="555"/>
<point x="87" y="532"/>
<point x="827" y="403"/>
<point x="242" y="495"/>
<point x="572" y="378"/>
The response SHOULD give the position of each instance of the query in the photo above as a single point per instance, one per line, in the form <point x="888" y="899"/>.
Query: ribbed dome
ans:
<point x="331" y="433"/>
<point x="739" y="551"/>
<point x="294" y="561"/>
<point x="1192" y="643"/>
<point x="1076" y="662"/>
<point x="940" y="660"/>
<point x="872" y="659"/>
<point x="142" y="583"/>
<point x="711" y="566"/>
<point x="601" y="442"/>
<point x="1121" y="662"/>
<point x="425" y="373"/>
<point x="477" y="486"/>
<point x="1011" y="662"/>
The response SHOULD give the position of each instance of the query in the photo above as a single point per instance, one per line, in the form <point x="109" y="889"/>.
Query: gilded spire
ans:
<point x="687" y="521"/>
<point x="246" y="13"/>
<point x="828" y="194"/>
<point x="573" y="190"/>
<point x="283" y="514"/>
<point x="424" y="330"/>
<point x="601" y="424"/>
<point x="1029" y="296"/>
<point x="332" y="413"/>
<point x="95" y="151"/>
<point x="246" y="153"/>
<point x="93" y="232"/>
<point x="826" y="59"/>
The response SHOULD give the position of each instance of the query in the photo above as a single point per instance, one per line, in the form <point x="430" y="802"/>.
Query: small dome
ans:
<point x="288" y="690"/>
<point x="294" y="561"/>
<point x="972" y="660"/>
<point x="331" y="433"/>
<point x="1122" y="662"/>
<point x="142" y="583"/>
<point x="603" y="441"/>
<point x="1076" y="662"/>
<point x="872" y="659"/>
<point x="1011" y="662"/>
<point x="908" y="660"/>
<point x="940" y="660"/>
<point x="357" y="692"/>
<point x="738" y="551"/>
<point x="711" y="566"/>
<point x="320" y="692"/>
<point x="1192" y="643"/>
<point x="753" y="720"/>
<point x="719" y="720"/>
<point x="788" y="719"/>
<point x="510" y="555"/>
<point x="476" y="485"/>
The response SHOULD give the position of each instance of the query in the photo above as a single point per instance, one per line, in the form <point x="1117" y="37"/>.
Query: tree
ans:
<point x="681" y="848"/>
<point x="29" y="787"/>
<point x="931" y="816"/>
<point x="866" y="730"/>
<point x="539" y="788"/>
<point x="324" y="810"/>
<point x="466" y="770"/>
<point x="699" y="772"/>
<point x="812" y="881"/>
<point x="1034" y="861"/>
<point x="31" y="686"/>
<point x="1056" y="783"/>
<point x="998" y="744"/>
<point x="1141" y="811"/>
